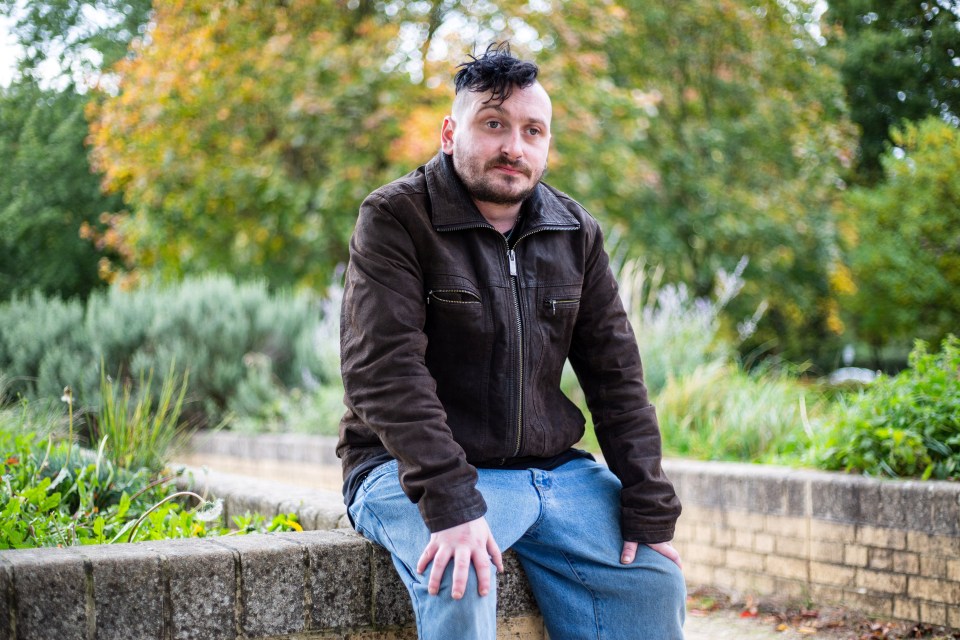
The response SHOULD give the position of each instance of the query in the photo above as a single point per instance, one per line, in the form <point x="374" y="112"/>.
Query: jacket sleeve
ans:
<point x="386" y="381"/>
<point x="606" y="359"/>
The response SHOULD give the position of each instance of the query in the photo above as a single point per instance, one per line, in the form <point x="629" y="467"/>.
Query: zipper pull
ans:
<point x="553" y="305"/>
<point x="512" y="257"/>
<point x="429" y="293"/>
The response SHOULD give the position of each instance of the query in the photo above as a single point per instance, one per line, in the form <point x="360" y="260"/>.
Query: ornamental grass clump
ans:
<point x="906" y="425"/>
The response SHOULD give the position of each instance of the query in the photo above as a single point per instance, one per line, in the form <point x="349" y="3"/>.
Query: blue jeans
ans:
<point x="564" y="527"/>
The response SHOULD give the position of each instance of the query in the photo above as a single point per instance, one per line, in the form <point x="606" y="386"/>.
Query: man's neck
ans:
<point x="502" y="216"/>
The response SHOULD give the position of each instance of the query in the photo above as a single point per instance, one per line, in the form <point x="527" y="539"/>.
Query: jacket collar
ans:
<point x="453" y="208"/>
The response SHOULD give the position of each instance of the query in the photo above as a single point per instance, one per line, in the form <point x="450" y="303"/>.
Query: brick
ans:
<point x="855" y="555"/>
<point x="881" y="581"/>
<point x="880" y="559"/>
<point x="906" y="609"/>
<point x="880" y="537"/>
<point x="741" y="521"/>
<point x="839" y="498"/>
<point x="906" y="562"/>
<point x="786" y="526"/>
<point x="926" y="544"/>
<point x="790" y="589"/>
<point x="831" y="552"/>
<point x="869" y="603"/>
<point x="127" y="590"/>
<point x="933" y="567"/>
<point x="754" y="582"/>
<point x="953" y="569"/>
<point x="832" y="575"/>
<point x="931" y="613"/>
<point x="823" y="530"/>
<point x="744" y="560"/>
<point x="703" y="554"/>
<point x="934" y="590"/>
<point x="743" y="539"/>
<point x="704" y="533"/>
<point x="699" y="574"/>
<point x="787" y="568"/>
<point x="764" y="543"/>
<point x="824" y="594"/>
<point x="723" y="537"/>
<point x="51" y="593"/>
<point x="792" y="547"/>
<point x="953" y="617"/>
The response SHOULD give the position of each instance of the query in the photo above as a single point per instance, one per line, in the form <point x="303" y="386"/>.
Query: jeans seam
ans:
<point x="593" y="596"/>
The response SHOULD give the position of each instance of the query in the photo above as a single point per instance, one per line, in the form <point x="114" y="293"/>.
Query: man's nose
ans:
<point x="512" y="146"/>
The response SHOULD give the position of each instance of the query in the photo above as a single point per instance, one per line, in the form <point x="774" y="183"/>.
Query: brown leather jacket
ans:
<point x="453" y="340"/>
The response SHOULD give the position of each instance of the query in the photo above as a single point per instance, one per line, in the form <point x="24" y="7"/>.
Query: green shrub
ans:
<point x="58" y="494"/>
<point x="241" y="343"/>
<point x="721" y="412"/>
<point x="906" y="425"/>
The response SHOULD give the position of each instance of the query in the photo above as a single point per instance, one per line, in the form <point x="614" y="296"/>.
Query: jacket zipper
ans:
<point x="515" y="287"/>
<point x="553" y="302"/>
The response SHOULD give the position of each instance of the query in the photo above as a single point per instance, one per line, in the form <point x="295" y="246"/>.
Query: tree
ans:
<point x="245" y="136"/>
<point x="704" y="132"/>
<point x="47" y="193"/>
<point x="900" y="63"/>
<point x="903" y="239"/>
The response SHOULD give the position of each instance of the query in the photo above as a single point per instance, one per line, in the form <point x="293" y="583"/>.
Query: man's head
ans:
<point x="499" y="131"/>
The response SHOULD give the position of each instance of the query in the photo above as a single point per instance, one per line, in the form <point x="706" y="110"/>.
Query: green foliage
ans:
<point x="47" y="193"/>
<point x="721" y="412"/>
<point x="898" y="64"/>
<point x="56" y="494"/>
<point x="229" y="336"/>
<point x="141" y="431"/>
<point x="76" y="37"/>
<point x="704" y="132"/>
<point x="903" y="240"/>
<point x="906" y="425"/>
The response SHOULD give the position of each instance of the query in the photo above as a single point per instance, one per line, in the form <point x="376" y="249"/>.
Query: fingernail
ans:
<point x="457" y="595"/>
<point x="483" y="592"/>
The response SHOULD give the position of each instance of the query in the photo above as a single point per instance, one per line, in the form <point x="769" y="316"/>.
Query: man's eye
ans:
<point x="493" y="124"/>
<point x="533" y="131"/>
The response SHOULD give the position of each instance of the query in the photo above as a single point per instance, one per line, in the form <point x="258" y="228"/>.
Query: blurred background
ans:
<point x="778" y="181"/>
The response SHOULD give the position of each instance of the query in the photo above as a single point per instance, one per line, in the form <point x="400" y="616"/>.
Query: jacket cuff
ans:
<point x="443" y="514"/>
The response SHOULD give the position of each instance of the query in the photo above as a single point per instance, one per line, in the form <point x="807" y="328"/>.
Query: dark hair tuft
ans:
<point x="496" y="71"/>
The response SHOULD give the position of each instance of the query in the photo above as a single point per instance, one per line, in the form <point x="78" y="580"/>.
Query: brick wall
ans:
<point x="891" y="548"/>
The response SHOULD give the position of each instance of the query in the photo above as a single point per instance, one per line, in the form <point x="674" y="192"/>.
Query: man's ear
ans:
<point x="446" y="135"/>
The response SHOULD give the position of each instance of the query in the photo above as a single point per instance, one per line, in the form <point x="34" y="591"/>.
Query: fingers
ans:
<point x="629" y="552"/>
<point x="466" y="545"/>
<point x="666" y="549"/>
<point x="495" y="554"/>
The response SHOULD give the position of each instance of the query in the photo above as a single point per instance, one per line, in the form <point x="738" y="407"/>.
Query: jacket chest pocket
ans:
<point x="449" y="296"/>
<point x="557" y="311"/>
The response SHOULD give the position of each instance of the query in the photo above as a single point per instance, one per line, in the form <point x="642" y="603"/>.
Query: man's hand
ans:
<point x="465" y="544"/>
<point x="663" y="548"/>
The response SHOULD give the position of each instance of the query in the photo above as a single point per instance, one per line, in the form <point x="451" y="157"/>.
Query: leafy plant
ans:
<point x="905" y="425"/>
<point x="53" y="493"/>
<point x="141" y="431"/>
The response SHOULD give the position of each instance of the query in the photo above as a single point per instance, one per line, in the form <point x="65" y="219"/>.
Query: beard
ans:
<point x="497" y="188"/>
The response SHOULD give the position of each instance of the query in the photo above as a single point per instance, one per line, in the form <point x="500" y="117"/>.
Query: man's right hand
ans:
<point x="465" y="544"/>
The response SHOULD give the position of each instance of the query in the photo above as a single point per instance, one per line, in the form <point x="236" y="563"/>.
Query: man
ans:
<point x="470" y="283"/>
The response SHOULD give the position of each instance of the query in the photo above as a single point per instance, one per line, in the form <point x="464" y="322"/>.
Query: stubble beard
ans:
<point x="474" y="174"/>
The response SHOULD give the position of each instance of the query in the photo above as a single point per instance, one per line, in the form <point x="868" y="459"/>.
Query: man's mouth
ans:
<point x="513" y="170"/>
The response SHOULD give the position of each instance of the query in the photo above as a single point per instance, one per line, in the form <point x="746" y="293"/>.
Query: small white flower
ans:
<point x="67" y="396"/>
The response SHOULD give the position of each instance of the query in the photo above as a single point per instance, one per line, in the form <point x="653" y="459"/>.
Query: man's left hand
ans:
<point x="663" y="548"/>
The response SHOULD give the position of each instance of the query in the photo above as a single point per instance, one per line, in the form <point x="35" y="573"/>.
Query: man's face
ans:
<point x="499" y="150"/>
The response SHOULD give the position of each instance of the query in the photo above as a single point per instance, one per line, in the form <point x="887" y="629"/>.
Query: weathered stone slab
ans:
<point x="391" y="602"/>
<point x="273" y="589"/>
<point x="202" y="588"/>
<point x="340" y="584"/>
<point x="51" y="593"/>
<point x="127" y="591"/>
<point x="6" y="600"/>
